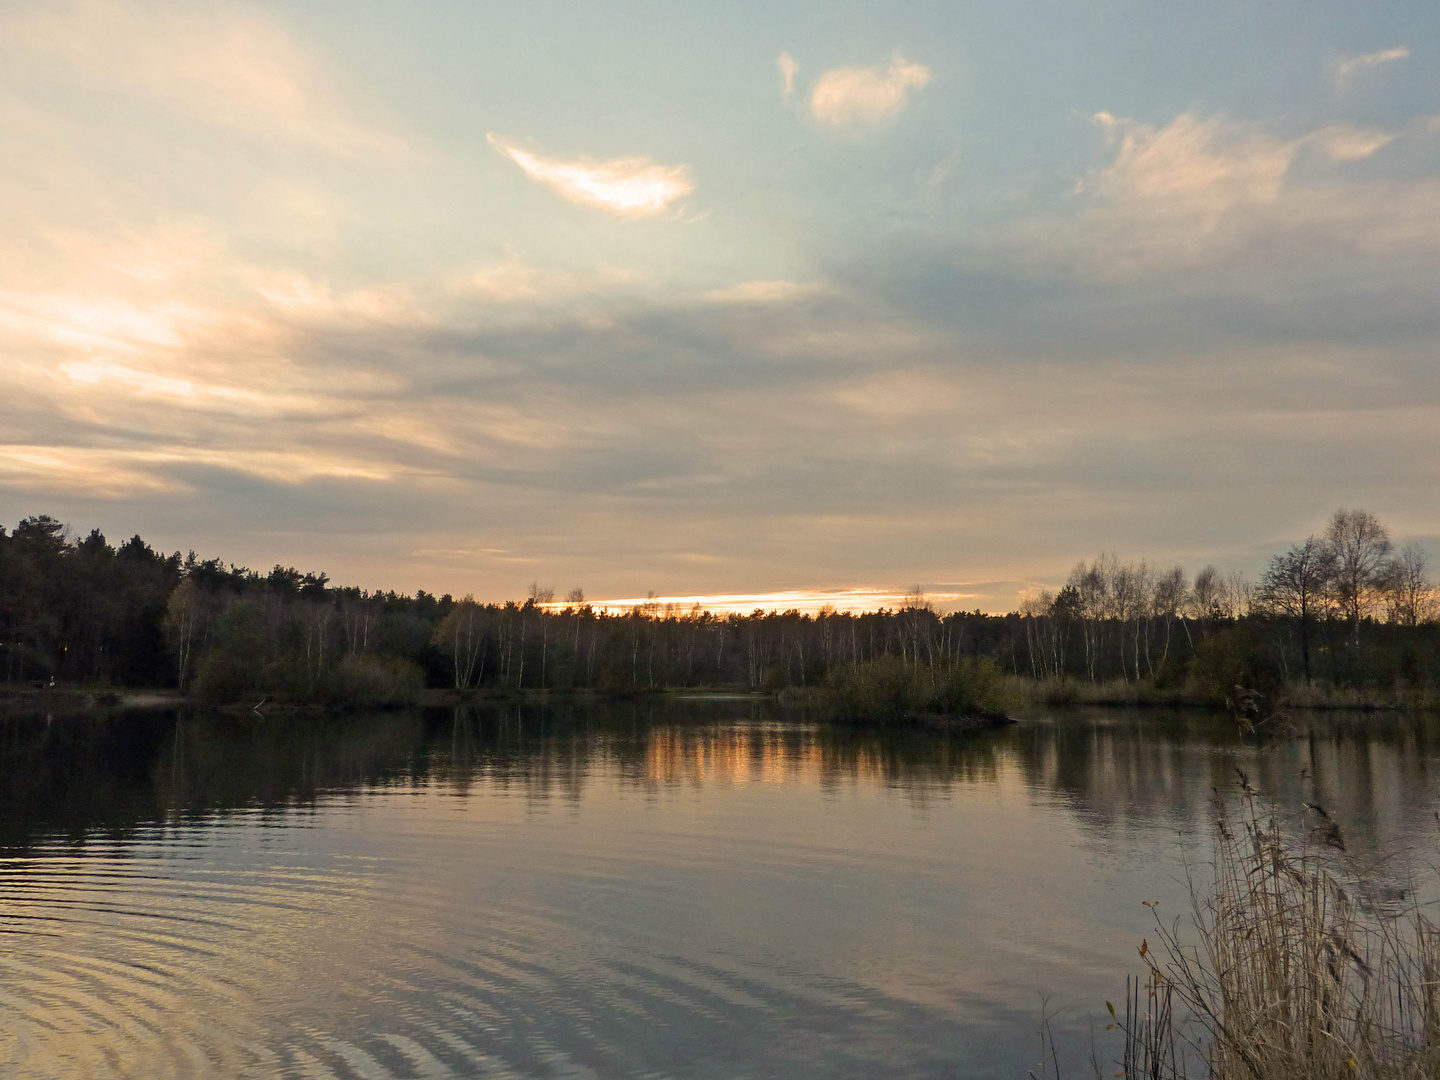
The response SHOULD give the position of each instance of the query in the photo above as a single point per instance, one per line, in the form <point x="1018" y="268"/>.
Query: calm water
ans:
<point x="709" y="889"/>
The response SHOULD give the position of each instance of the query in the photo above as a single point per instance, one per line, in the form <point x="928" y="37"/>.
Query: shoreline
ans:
<point x="1028" y="698"/>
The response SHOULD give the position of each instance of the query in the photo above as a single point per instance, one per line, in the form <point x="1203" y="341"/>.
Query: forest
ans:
<point x="1341" y="611"/>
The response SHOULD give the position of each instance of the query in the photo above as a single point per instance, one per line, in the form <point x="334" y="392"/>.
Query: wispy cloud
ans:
<point x="1347" y="67"/>
<point x="630" y="187"/>
<point x="1340" y="143"/>
<point x="1202" y="191"/>
<point x="942" y="170"/>
<point x="764" y="292"/>
<point x="1197" y="167"/>
<point x="860" y="97"/>
<point x="228" y="67"/>
<point x="788" y="68"/>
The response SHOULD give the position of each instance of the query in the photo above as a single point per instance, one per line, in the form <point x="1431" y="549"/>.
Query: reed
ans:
<point x="1298" y="969"/>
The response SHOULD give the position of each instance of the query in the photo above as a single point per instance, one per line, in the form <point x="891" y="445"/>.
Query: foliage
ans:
<point x="888" y="688"/>
<point x="1354" y="619"/>
<point x="1231" y="656"/>
<point x="360" y="679"/>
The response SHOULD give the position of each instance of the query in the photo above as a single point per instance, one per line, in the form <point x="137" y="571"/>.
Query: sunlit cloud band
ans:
<point x="630" y="187"/>
<point x="807" y="601"/>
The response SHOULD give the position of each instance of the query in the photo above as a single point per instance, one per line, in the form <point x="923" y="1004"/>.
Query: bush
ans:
<point x="221" y="678"/>
<point x="972" y="686"/>
<point x="362" y="679"/>
<point x="1229" y="656"/>
<point x="889" y="689"/>
<point x="882" y="689"/>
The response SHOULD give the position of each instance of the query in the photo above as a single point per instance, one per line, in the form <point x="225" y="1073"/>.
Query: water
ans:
<point x="706" y="889"/>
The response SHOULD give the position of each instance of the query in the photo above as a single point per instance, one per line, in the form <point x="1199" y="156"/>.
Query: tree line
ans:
<point x="1341" y="609"/>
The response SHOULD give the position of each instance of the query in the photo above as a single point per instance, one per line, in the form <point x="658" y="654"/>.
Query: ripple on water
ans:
<point x="653" y="921"/>
<point x="200" y="951"/>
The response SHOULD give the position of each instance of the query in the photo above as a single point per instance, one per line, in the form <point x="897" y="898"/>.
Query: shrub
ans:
<point x="881" y="689"/>
<point x="220" y="678"/>
<point x="1229" y="656"/>
<point x="888" y="688"/>
<point x="971" y="686"/>
<point x="362" y="679"/>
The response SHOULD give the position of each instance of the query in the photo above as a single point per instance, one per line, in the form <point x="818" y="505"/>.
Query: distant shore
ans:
<point x="1028" y="696"/>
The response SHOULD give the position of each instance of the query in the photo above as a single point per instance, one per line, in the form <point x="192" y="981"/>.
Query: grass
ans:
<point x="1119" y="692"/>
<point x="1072" y="691"/>
<point x="1299" y="969"/>
<point x="1317" y="696"/>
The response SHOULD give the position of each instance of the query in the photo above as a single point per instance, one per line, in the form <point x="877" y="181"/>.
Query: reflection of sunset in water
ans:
<point x="560" y="888"/>
<point x="737" y="756"/>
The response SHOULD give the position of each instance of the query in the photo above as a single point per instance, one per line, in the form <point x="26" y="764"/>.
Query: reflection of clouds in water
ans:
<point x="563" y="888"/>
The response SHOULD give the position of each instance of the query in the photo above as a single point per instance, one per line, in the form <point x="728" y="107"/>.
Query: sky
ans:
<point x="785" y="299"/>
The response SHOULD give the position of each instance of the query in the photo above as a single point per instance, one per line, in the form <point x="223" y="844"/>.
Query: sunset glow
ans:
<point x="699" y="305"/>
<point x="809" y="602"/>
<point x="631" y="187"/>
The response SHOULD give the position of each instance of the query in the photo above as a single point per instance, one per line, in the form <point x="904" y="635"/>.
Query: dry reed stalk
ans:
<point x="1293" y="978"/>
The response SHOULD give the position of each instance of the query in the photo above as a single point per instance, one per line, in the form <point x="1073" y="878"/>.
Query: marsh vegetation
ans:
<point x="1297" y="961"/>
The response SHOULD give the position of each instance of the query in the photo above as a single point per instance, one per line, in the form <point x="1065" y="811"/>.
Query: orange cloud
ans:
<point x="868" y="96"/>
<point x="630" y="187"/>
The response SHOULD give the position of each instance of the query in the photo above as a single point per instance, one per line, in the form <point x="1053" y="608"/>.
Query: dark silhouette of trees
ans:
<point x="83" y="611"/>
<point x="1409" y="598"/>
<point x="1360" y="547"/>
<point x="1297" y="584"/>
<point x="462" y="634"/>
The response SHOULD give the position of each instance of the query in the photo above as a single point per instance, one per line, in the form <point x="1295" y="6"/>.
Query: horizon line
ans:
<point x="806" y="601"/>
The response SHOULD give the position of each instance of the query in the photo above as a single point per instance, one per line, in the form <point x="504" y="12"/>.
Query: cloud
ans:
<point x="865" y="97"/>
<point x="1195" y="168"/>
<point x="764" y="292"/>
<point x="1340" y="143"/>
<point x="810" y="601"/>
<point x="1207" y="191"/>
<point x="630" y="187"/>
<point x="227" y="67"/>
<point x="690" y="447"/>
<point x="942" y="170"/>
<point x="1349" y="66"/>
<point x="788" y="67"/>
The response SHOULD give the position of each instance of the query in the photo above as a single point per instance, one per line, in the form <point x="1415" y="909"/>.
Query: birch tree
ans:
<point x="1361" y="546"/>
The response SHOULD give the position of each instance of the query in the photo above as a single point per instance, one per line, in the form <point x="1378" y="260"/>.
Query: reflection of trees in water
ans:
<point x="554" y="750"/>
<point x="108" y="774"/>
<point x="1374" y="772"/>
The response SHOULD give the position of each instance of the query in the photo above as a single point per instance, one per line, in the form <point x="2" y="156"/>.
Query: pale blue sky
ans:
<point x="460" y="296"/>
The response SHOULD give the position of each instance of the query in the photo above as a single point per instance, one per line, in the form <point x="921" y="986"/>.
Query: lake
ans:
<point x="691" y="888"/>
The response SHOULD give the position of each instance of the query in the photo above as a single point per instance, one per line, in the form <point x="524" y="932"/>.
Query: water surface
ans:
<point x="702" y="889"/>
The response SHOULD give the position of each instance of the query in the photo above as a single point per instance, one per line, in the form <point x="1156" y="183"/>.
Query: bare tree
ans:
<point x="1205" y="595"/>
<point x="1092" y="586"/>
<point x="184" y="617"/>
<point x="1036" y="609"/>
<point x="1361" y="545"/>
<point x="358" y="611"/>
<point x="1297" y="584"/>
<point x="576" y="599"/>
<point x="542" y="599"/>
<point x="1171" y="595"/>
<point x="462" y="632"/>
<point x="1409" y="592"/>
<point x="315" y="618"/>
